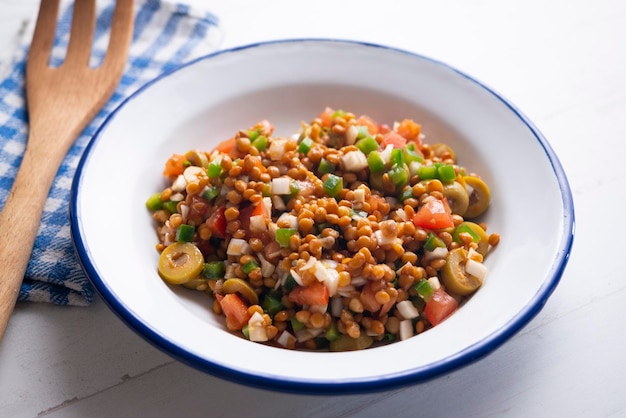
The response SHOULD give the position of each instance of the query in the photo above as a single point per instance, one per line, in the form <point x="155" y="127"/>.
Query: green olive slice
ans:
<point x="180" y="262"/>
<point x="455" y="278"/>
<point x="457" y="196"/>
<point x="483" y="239"/>
<point x="243" y="288"/>
<point x="347" y="343"/>
<point x="479" y="197"/>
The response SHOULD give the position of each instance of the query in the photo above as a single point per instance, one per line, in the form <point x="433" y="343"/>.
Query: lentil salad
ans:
<point x="347" y="235"/>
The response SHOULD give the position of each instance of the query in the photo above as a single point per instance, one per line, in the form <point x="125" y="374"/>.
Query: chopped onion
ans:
<point x="179" y="184"/>
<point x="434" y="282"/>
<point x="267" y="201"/>
<point x="406" y="329"/>
<point x="407" y="309"/>
<point x="296" y="277"/>
<point x="281" y="185"/>
<point x="267" y="268"/>
<point x="476" y="269"/>
<point x="286" y="339"/>
<point x="359" y="195"/>
<point x="238" y="246"/>
<point x="278" y="203"/>
<point x="351" y="135"/>
<point x="277" y="149"/>
<point x="354" y="161"/>
<point x="438" y="252"/>
<point x="289" y="219"/>
<point x="386" y="153"/>
<point x="257" y="223"/>
<point x="306" y="334"/>
<point x="256" y="328"/>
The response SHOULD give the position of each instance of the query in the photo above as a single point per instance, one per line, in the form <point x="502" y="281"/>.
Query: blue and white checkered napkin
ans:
<point x="166" y="34"/>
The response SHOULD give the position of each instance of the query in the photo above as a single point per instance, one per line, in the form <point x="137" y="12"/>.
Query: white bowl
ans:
<point x="208" y="100"/>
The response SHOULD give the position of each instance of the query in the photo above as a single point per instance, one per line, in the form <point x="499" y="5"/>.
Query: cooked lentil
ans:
<point x="330" y="232"/>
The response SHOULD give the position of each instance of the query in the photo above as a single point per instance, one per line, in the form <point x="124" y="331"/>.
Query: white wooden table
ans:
<point x="564" y="65"/>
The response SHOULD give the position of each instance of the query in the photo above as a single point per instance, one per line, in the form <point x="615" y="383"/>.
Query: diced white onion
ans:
<point x="267" y="201"/>
<point x="286" y="339"/>
<point x="296" y="277"/>
<point x="277" y="149"/>
<point x="257" y="332"/>
<point x="267" y="268"/>
<point x="476" y="269"/>
<point x="354" y="160"/>
<point x="413" y="167"/>
<point x="469" y="189"/>
<point x="351" y="135"/>
<point x="309" y="264"/>
<point x="385" y="154"/>
<point x="281" y="185"/>
<point x="407" y="309"/>
<point x="402" y="214"/>
<point x="318" y="308"/>
<point x="238" y="246"/>
<point x="184" y="212"/>
<point x="406" y="329"/>
<point x="306" y="334"/>
<point x="290" y="220"/>
<point x="177" y="197"/>
<point x="359" y="195"/>
<point x="438" y="252"/>
<point x="434" y="282"/>
<point x="257" y="223"/>
<point x="179" y="184"/>
<point x="193" y="172"/>
<point x="474" y="255"/>
<point x="278" y="203"/>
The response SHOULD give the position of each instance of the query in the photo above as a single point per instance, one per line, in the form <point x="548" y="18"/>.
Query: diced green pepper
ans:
<point x="260" y="143"/>
<point x="398" y="175"/>
<point x="211" y="193"/>
<point x="338" y="113"/>
<point x="332" y="333"/>
<point x="363" y="131"/>
<point x="325" y="166"/>
<point x="296" y="325"/>
<point x="253" y="134"/>
<point x="465" y="228"/>
<point x="171" y="206"/>
<point x="213" y="270"/>
<point x="409" y="155"/>
<point x="333" y="185"/>
<point x="245" y="330"/>
<point x="185" y="233"/>
<point x="215" y="168"/>
<point x="272" y="305"/>
<point x="154" y="202"/>
<point x="367" y="145"/>
<point x="406" y="193"/>
<point x="427" y="172"/>
<point x="305" y="145"/>
<point x="290" y="283"/>
<point x="432" y="242"/>
<point x="446" y="173"/>
<point x="396" y="156"/>
<point x="375" y="162"/>
<point x="424" y="289"/>
<point x="283" y="235"/>
<point x="249" y="266"/>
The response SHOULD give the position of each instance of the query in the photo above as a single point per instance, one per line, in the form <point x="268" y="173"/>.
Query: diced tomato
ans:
<point x="410" y="130"/>
<point x="217" y="222"/>
<point x="365" y="120"/>
<point x="440" y="306"/>
<point x="235" y="310"/>
<point x="383" y="128"/>
<point x="197" y="209"/>
<point x="434" y="214"/>
<point x="393" y="138"/>
<point x="314" y="294"/>
<point x="327" y="116"/>
<point x="225" y="146"/>
<point x="175" y="165"/>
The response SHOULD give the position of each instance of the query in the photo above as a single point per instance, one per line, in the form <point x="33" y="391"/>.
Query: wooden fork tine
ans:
<point x="81" y="34"/>
<point x="43" y="38"/>
<point x="121" y="36"/>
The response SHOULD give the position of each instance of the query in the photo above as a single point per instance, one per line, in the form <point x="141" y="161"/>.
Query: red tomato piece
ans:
<point x="434" y="214"/>
<point x="235" y="310"/>
<point x="393" y="138"/>
<point x="174" y="165"/>
<point x="244" y="218"/>
<point x="217" y="222"/>
<point x="440" y="306"/>
<point x="410" y="130"/>
<point x="314" y="294"/>
<point x="327" y="116"/>
<point x="367" y="121"/>
<point x="225" y="146"/>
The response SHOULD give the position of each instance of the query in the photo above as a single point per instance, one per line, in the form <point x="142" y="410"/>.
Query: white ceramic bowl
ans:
<point x="208" y="100"/>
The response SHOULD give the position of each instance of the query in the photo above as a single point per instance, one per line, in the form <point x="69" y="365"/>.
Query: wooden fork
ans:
<point x="61" y="102"/>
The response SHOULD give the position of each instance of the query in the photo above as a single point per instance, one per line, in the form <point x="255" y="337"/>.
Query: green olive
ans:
<point x="197" y="158"/>
<point x="180" y="263"/>
<point x="347" y="343"/>
<point x="479" y="198"/>
<point x="457" y="196"/>
<point x="243" y="288"/>
<point x="483" y="239"/>
<point x="443" y="151"/>
<point x="455" y="278"/>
